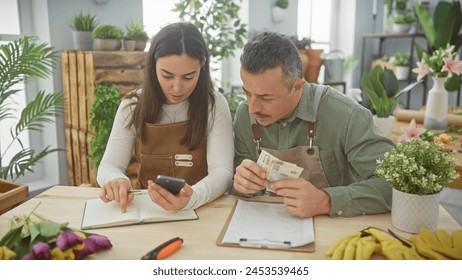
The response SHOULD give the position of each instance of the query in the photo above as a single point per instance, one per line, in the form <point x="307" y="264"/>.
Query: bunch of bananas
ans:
<point x="426" y="245"/>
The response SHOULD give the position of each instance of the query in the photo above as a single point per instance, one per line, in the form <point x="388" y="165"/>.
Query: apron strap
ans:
<point x="311" y="135"/>
<point x="311" y="125"/>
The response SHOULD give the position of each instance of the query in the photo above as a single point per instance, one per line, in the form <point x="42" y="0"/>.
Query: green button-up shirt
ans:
<point x="348" y="142"/>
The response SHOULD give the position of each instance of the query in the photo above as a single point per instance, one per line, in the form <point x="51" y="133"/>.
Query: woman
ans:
<point x="177" y="126"/>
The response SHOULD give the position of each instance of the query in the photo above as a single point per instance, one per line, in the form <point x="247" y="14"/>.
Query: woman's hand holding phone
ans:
<point x="162" y="192"/>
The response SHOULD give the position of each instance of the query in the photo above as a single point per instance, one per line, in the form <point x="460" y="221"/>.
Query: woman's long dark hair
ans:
<point x="176" y="39"/>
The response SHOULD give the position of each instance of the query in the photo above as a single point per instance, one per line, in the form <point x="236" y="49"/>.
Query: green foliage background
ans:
<point x="102" y="113"/>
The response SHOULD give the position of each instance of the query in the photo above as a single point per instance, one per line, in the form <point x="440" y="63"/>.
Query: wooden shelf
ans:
<point x="81" y="70"/>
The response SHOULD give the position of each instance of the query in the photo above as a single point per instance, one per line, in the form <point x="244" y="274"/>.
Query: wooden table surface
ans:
<point x="66" y="204"/>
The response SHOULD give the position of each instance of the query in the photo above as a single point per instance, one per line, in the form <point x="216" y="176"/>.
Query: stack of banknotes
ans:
<point x="277" y="169"/>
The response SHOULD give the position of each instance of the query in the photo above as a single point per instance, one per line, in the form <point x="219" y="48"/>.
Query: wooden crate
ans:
<point x="81" y="70"/>
<point x="12" y="194"/>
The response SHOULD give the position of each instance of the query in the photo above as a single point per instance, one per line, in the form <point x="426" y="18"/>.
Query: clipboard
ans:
<point x="310" y="247"/>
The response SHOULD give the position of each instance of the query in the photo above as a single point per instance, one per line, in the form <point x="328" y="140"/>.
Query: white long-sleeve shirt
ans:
<point x="220" y="148"/>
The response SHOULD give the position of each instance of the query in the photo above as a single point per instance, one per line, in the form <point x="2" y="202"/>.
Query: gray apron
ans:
<point x="303" y="156"/>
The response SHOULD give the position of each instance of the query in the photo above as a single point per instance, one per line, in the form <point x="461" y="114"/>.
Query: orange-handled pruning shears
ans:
<point x="164" y="250"/>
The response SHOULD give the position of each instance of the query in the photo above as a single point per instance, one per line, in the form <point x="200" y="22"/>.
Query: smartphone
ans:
<point x="172" y="184"/>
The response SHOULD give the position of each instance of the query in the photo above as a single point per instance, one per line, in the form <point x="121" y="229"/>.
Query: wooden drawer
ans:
<point x="12" y="194"/>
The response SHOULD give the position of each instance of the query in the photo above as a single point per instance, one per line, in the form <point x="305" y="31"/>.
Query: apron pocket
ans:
<point x="159" y="164"/>
<point x="329" y="164"/>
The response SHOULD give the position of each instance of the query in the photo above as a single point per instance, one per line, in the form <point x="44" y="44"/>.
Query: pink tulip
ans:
<point x="40" y="251"/>
<point x="68" y="239"/>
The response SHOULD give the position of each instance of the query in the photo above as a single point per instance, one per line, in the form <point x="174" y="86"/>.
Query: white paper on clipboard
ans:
<point x="267" y="224"/>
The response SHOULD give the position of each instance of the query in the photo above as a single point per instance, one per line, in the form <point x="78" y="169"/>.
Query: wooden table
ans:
<point x="454" y="145"/>
<point x="66" y="204"/>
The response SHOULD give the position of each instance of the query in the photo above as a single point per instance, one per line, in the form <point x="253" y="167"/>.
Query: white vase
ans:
<point x="436" y="109"/>
<point x="385" y="125"/>
<point x="411" y="212"/>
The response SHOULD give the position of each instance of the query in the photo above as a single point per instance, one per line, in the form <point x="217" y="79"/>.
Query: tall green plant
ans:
<point x="219" y="23"/>
<point x="102" y="113"/>
<point x="21" y="61"/>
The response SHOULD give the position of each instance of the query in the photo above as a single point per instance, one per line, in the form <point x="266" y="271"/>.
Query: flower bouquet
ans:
<point x="442" y="63"/>
<point x="42" y="239"/>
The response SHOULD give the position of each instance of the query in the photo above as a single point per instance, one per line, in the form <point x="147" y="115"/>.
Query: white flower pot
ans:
<point x="385" y="125"/>
<point x="400" y="27"/>
<point x="411" y="212"/>
<point x="402" y="72"/>
<point x="278" y="14"/>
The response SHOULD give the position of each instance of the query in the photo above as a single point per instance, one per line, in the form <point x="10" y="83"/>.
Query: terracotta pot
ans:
<point x="304" y="58"/>
<point x="314" y="65"/>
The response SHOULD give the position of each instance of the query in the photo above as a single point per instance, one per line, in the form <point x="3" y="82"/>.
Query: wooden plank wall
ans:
<point x="81" y="70"/>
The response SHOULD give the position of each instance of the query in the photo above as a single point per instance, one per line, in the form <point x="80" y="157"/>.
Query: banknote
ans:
<point x="277" y="169"/>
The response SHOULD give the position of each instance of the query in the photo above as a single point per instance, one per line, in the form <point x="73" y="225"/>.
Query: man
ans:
<point x="313" y="126"/>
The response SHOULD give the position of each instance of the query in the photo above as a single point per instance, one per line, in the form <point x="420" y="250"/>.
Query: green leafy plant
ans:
<point x="102" y="113"/>
<point x="405" y="18"/>
<point x="417" y="167"/>
<point x="135" y="31"/>
<point x="21" y="61"/>
<point x="401" y="59"/>
<point x="218" y="22"/>
<point x="107" y="31"/>
<point x="283" y="4"/>
<point x="83" y="22"/>
<point x="382" y="88"/>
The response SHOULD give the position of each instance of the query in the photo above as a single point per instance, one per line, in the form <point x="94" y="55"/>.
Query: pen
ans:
<point x="138" y="191"/>
<point x="164" y="250"/>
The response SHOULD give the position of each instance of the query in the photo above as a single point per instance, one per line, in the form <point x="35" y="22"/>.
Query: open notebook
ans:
<point x="98" y="214"/>
<point x="267" y="225"/>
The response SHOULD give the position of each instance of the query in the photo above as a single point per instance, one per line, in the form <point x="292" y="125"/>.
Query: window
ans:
<point x="314" y="21"/>
<point x="9" y="31"/>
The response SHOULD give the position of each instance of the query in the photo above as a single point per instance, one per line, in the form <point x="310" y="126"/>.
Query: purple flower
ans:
<point x="68" y="239"/>
<point x="40" y="251"/>
<point x="92" y="244"/>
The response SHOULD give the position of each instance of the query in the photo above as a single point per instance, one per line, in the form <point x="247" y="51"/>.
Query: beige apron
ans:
<point x="164" y="155"/>
<point x="303" y="156"/>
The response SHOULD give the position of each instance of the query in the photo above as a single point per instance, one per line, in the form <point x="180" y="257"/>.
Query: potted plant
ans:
<point x="279" y="10"/>
<point x="21" y="61"/>
<point x="402" y="22"/>
<point x="82" y="27"/>
<point x="135" y="31"/>
<point x="107" y="37"/>
<point x="402" y="63"/>
<point x="382" y="88"/>
<point x="418" y="171"/>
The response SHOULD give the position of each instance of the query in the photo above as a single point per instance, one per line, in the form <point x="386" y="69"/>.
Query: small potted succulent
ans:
<point x="107" y="37"/>
<point x="402" y="63"/>
<point x="82" y="27"/>
<point x="135" y="31"/>
<point x="402" y="22"/>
